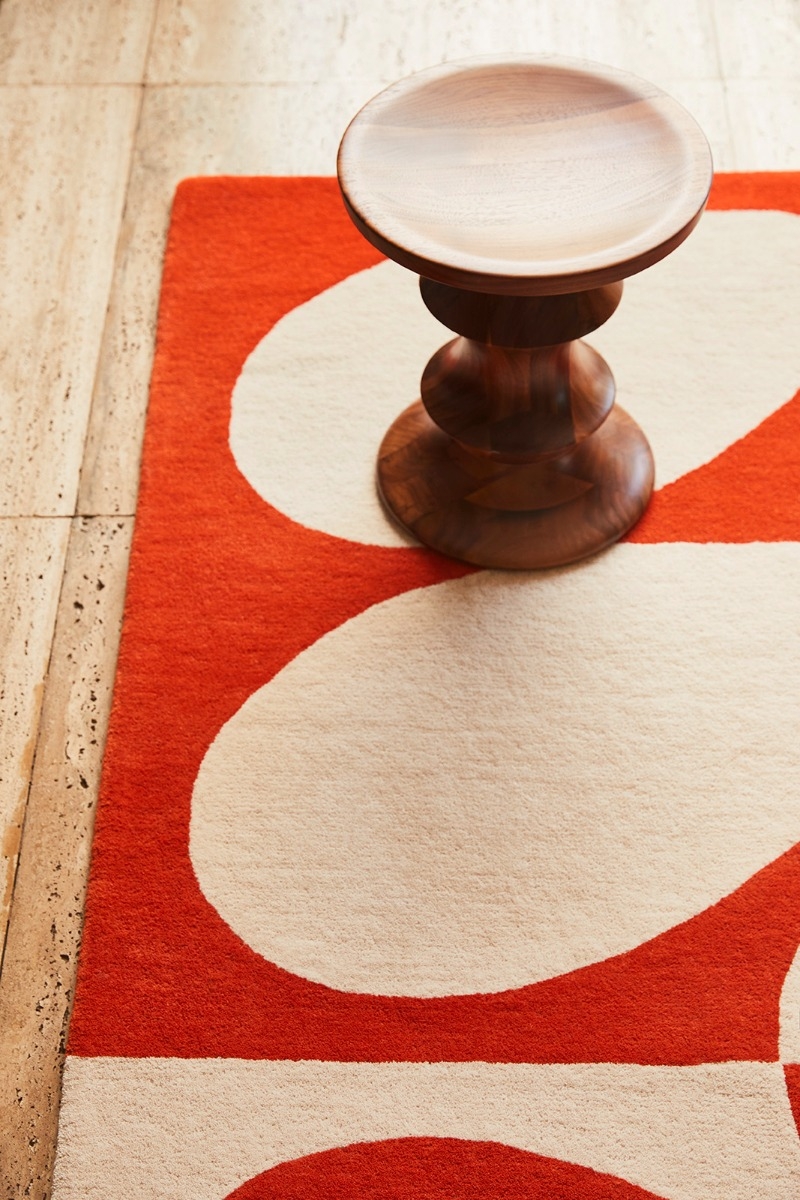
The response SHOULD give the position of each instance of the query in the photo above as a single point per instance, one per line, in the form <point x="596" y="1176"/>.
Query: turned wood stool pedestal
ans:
<point x="522" y="191"/>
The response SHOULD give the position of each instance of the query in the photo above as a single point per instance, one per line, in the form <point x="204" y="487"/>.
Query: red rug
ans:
<point x="411" y="880"/>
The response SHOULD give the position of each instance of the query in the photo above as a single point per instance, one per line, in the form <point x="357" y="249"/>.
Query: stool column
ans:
<point x="516" y="456"/>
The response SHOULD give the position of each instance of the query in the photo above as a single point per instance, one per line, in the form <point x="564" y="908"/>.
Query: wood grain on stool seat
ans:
<point x="523" y="191"/>
<point x="524" y="176"/>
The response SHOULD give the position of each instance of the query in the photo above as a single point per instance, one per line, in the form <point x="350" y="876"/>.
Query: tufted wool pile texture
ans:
<point x="418" y="882"/>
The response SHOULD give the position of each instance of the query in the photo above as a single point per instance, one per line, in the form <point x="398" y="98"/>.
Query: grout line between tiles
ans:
<point x="108" y="516"/>
<point x="712" y="12"/>
<point x="117" y="258"/>
<point x="37" y="740"/>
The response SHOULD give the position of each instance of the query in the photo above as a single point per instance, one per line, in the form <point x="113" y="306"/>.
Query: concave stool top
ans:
<point x="524" y="176"/>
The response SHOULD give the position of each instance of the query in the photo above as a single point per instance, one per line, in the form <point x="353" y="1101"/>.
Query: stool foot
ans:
<point x="518" y="515"/>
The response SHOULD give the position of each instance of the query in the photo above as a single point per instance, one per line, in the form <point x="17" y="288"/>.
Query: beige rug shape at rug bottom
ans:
<point x="716" y="1132"/>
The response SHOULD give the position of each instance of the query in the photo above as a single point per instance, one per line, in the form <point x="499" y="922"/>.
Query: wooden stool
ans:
<point x="522" y="191"/>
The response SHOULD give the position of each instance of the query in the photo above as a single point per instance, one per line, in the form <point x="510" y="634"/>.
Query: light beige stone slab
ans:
<point x="257" y="130"/>
<point x="48" y="41"/>
<point x="198" y="41"/>
<point x="31" y="563"/>
<point x="65" y="154"/>
<point x="758" y="38"/>
<point x="37" y="981"/>
<point x="765" y="119"/>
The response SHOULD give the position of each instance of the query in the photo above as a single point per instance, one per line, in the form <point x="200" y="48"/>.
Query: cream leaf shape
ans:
<point x="204" y="1127"/>
<point x="505" y="777"/>
<point x="318" y="393"/>
<point x="790" y="1014"/>
<point x="703" y="348"/>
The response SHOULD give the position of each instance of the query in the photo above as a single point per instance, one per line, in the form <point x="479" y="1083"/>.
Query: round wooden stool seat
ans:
<point x="522" y="191"/>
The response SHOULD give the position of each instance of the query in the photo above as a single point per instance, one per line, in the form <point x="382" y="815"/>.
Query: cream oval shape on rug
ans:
<point x="789" y="1043"/>
<point x="683" y="347"/>
<point x="505" y="777"/>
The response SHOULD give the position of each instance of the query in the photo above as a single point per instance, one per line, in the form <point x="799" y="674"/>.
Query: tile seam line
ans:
<point x="37" y="743"/>
<point x="711" y="9"/>
<point x="142" y="89"/>
<point x="720" y="76"/>
<point x="724" y="80"/>
<point x="165" y="85"/>
<point x="8" y="85"/>
<point x="80" y="516"/>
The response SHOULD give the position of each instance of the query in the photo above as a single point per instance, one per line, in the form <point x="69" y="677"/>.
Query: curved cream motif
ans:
<point x="502" y="778"/>
<point x="790" y="1014"/>
<point x="696" y="370"/>
<point x="316" y="396"/>
<point x="704" y="344"/>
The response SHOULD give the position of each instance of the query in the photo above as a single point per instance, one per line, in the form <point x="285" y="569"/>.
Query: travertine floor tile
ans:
<point x="201" y="41"/>
<point x="38" y="976"/>
<point x="765" y="120"/>
<point x="31" y="563"/>
<point x="47" y="41"/>
<point x="758" y="38"/>
<point x="66" y="154"/>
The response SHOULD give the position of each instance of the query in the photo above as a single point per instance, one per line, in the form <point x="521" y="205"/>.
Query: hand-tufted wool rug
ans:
<point x="417" y="882"/>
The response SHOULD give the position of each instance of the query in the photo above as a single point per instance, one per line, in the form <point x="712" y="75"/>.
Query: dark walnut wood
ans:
<point x="520" y="321"/>
<point x="523" y="191"/>
<point x="496" y="514"/>
<point x="517" y="405"/>
<point x="517" y="457"/>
